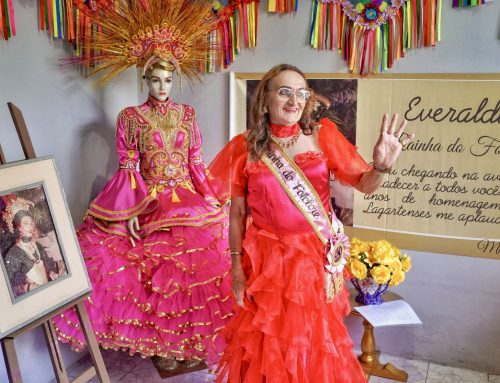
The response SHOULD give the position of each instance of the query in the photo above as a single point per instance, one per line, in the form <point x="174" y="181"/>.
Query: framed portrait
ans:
<point x="441" y="195"/>
<point x="41" y="264"/>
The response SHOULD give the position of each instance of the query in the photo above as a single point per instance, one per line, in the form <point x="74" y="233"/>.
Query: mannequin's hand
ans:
<point x="390" y="142"/>
<point x="133" y="227"/>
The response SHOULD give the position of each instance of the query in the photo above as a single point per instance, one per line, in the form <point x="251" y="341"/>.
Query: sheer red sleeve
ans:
<point x="343" y="158"/>
<point x="227" y="171"/>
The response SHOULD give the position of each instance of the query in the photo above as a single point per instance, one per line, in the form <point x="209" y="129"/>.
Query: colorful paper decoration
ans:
<point x="7" y="20"/>
<point x="82" y="26"/>
<point x="372" y="34"/>
<point x="62" y="19"/>
<point x="69" y="19"/>
<point x="469" y="3"/>
<point x="237" y="28"/>
<point x="282" y="6"/>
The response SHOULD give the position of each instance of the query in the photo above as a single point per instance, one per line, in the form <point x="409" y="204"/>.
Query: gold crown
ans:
<point x="13" y="206"/>
<point x="165" y="43"/>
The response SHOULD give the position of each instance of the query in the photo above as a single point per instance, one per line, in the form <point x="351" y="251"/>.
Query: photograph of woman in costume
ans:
<point x="30" y="262"/>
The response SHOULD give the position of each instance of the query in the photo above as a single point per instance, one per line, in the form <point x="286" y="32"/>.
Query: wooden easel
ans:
<point x="9" y="352"/>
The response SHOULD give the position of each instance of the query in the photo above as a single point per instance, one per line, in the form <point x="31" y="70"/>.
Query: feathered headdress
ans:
<point x="138" y="33"/>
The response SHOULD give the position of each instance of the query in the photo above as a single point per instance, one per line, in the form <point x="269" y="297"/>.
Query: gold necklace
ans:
<point x="289" y="142"/>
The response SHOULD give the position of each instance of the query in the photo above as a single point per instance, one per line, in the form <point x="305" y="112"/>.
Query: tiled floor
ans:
<point x="123" y="368"/>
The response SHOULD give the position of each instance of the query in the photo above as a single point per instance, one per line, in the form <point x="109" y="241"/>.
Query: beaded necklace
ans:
<point x="285" y="136"/>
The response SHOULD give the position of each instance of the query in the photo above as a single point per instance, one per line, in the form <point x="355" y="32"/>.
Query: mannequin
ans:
<point x="155" y="239"/>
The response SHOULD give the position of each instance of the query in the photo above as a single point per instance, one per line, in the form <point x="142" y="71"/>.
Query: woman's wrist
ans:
<point x="381" y="170"/>
<point x="234" y="253"/>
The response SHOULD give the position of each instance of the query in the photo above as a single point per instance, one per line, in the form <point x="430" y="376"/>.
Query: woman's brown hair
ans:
<point x="259" y="138"/>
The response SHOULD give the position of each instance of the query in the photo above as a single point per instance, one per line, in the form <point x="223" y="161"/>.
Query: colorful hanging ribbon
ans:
<point x="237" y="27"/>
<point x="282" y="6"/>
<point x="69" y="19"/>
<point x="7" y="20"/>
<point x="469" y="3"/>
<point x="372" y="35"/>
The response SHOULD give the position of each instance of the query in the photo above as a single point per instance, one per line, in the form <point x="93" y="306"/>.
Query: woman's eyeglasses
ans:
<point x="286" y="93"/>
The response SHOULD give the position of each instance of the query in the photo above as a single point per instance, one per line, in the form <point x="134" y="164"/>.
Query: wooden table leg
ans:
<point x="11" y="362"/>
<point x="369" y="358"/>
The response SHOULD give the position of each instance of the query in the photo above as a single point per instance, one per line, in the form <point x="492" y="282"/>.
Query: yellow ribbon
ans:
<point x="133" y="184"/>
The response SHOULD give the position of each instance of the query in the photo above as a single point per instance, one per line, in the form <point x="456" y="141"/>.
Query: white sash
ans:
<point x="306" y="199"/>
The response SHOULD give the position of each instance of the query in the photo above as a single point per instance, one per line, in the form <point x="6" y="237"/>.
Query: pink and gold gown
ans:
<point x="287" y="332"/>
<point x="169" y="293"/>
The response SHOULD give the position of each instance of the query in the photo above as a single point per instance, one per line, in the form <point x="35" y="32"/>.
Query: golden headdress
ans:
<point x="13" y="205"/>
<point x="135" y="32"/>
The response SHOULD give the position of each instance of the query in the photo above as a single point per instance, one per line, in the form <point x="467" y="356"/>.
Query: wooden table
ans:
<point x="369" y="355"/>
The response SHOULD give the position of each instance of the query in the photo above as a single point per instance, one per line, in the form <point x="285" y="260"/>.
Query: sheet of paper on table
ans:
<point x="394" y="313"/>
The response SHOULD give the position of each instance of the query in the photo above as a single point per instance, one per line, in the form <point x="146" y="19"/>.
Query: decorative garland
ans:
<point x="7" y="21"/>
<point x="282" y="6"/>
<point x="237" y="25"/>
<point x="84" y="28"/>
<point x="372" y="34"/>
<point x="469" y="3"/>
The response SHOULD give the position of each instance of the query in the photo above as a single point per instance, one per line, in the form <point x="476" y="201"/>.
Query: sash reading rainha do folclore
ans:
<point x="306" y="199"/>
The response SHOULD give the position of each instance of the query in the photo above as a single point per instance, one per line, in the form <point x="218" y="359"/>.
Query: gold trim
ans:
<point x="109" y="231"/>
<point x="173" y="220"/>
<point x="147" y="200"/>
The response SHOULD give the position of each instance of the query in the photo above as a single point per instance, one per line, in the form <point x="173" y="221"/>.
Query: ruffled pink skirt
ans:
<point x="168" y="296"/>
<point x="287" y="332"/>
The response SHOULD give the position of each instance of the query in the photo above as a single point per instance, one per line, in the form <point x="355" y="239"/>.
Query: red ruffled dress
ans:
<point x="169" y="293"/>
<point x="287" y="333"/>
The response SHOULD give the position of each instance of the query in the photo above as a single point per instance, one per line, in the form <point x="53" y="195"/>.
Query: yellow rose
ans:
<point x="358" y="269"/>
<point x="406" y="263"/>
<point x="358" y="246"/>
<point x="398" y="252"/>
<point x="383" y="252"/>
<point x="381" y="274"/>
<point x="394" y="264"/>
<point x="398" y="276"/>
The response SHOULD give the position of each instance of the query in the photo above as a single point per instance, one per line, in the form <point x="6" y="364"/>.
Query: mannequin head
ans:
<point x="159" y="79"/>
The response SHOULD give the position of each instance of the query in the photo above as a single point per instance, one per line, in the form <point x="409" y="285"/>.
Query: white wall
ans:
<point x="456" y="297"/>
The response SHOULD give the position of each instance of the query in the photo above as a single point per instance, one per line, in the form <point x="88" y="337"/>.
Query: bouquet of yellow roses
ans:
<point x="379" y="260"/>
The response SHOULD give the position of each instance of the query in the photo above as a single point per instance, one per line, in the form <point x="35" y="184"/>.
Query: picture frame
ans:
<point x="42" y="267"/>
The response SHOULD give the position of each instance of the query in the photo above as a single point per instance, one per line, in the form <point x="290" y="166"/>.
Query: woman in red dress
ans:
<point x="285" y="329"/>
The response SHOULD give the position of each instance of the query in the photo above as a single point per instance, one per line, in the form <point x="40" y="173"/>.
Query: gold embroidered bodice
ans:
<point x="163" y="134"/>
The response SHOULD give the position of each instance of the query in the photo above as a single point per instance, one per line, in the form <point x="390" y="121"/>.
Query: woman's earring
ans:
<point x="266" y="110"/>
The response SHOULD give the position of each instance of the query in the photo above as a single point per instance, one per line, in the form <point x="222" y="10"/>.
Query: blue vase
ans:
<point x="369" y="291"/>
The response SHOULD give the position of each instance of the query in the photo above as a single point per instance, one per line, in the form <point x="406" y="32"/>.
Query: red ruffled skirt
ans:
<point x="286" y="332"/>
<point x="168" y="296"/>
